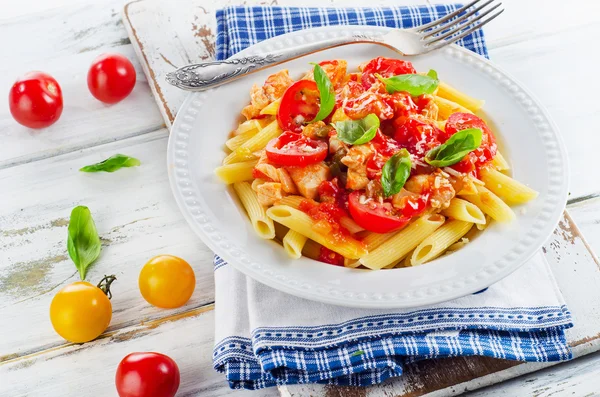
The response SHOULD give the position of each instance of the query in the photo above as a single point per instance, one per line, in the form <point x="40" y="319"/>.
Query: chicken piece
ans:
<point x="357" y="180"/>
<point x="286" y="181"/>
<point x="335" y="145"/>
<point x="269" y="193"/>
<point x="398" y="198"/>
<point x="317" y="130"/>
<point x="335" y="70"/>
<point x="440" y="188"/>
<point x="308" y="179"/>
<point x="273" y="89"/>
<point x="356" y="161"/>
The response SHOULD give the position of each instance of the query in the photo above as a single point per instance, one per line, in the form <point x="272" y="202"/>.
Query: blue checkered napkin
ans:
<point x="240" y="27"/>
<point x="265" y="337"/>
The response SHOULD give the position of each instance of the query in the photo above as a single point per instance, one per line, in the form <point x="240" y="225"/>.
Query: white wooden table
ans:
<point x="548" y="47"/>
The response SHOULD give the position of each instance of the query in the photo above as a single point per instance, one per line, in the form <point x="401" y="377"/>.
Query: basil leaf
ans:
<point x="357" y="132"/>
<point x="414" y="84"/>
<point x="395" y="172"/>
<point x="112" y="164"/>
<point x="327" y="96"/>
<point x="83" y="242"/>
<point x="455" y="149"/>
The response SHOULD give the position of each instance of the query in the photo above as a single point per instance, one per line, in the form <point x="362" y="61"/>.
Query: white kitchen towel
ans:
<point x="265" y="337"/>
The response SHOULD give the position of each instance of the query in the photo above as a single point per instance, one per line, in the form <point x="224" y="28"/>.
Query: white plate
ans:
<point x="529" y="139"/>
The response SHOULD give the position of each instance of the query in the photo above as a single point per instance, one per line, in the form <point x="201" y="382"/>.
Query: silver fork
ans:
<point x="414" y="41"/>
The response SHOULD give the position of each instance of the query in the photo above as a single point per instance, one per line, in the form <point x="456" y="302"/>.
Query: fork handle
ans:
<point x="204" y="76"/>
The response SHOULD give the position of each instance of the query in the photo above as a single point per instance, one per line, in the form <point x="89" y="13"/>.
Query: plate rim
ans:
<point x="223" y="249"/>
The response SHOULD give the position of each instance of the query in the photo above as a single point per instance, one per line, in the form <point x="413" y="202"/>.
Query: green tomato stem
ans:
<point x="105" y="283"/>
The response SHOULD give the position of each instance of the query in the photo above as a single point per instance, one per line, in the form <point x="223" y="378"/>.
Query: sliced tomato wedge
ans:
<point x="386" y="67"/>
<point x="484" y="153"/>
<point x="295" y="150"/>
<point x="380" y="217"/>
<point x="300" y="103"/>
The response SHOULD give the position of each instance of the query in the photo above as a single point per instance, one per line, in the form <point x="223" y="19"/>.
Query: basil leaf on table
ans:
<point x="455" y="149"/>
<point x="395" y="172"/>
<point x="357" y="132"/>
<point x="83" y="242"/>
<point x="414" y="84"/>
<point x="326" y="94"/>
<point x="112" y="164"/>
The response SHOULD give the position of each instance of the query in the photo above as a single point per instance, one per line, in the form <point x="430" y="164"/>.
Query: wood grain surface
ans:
<point x="136" y="216"/>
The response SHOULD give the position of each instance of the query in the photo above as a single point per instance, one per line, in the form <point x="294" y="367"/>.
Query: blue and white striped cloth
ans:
<point x="265" y="337"/>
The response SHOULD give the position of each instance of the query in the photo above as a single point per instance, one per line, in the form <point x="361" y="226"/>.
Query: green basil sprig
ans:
<point x="357" y="132"/>
<point x="455" y="149"/>
<point x="395" y="172"/>
<point x="112" y="164"/>
<point x="326" y="93"/>
<point x="414" y="84"/>
<point x="83" y="242"/>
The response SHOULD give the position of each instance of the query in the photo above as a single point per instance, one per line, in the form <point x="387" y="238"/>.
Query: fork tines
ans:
<point x="459" y="23"/>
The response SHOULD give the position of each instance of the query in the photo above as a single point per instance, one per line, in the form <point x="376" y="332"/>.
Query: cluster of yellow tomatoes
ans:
<point x="81" y="311"/>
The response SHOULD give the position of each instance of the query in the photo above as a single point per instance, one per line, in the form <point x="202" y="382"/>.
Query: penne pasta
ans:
<point x="509" y="190"/>
<point x="452" y="94"/>
<point x="314" y="186"/>
<point x="491" y="204"/>
<point x="239" y="140"/>
<point x="257" y="142"/>
<point x="272" y="108"/>
<point x="236" y="172"/>
<point x="499" y="162"/>
<point x="262" y="224"/>
<point x="463" y="210"/>
<point x="293" y="243"/>
<point x="373" y="240"/>
<point x="402" y="242"/>
<point x="304" y="224"/>
<point x="440" y="240"/>
<point x="447" y="107"/>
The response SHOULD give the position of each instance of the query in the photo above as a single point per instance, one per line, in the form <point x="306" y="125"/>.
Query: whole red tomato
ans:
<point x="147" y="375"/>
<point x="35" y="100"/>
<point x="111" y="78"/>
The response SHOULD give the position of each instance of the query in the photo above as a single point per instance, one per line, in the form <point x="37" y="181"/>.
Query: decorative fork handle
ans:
<point x="203" y="76"/>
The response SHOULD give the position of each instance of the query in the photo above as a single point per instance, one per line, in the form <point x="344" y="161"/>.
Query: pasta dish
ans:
<point x="379" y="168"/>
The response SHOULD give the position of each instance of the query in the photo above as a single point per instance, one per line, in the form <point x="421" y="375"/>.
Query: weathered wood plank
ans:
<point x="136" y="217"/>
<point x="63" y="42"/>
<point x="76" y="369"/>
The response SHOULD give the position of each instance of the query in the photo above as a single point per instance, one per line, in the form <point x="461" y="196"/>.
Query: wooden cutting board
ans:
<point x="167" y="35"/>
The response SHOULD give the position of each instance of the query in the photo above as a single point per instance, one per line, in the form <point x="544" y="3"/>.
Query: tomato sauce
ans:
<point x="328" y="256"/>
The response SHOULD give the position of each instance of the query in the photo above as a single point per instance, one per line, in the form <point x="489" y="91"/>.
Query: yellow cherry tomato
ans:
<point x="80" y="312"/>
<point x="167" y="281"/>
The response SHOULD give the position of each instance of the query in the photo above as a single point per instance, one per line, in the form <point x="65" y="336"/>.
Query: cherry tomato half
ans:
<point x="111" y="78"/>
<point x="381" y="217"/>
<point x="80" y="312"/>
<point x="300" y="103"/>
<point x="293" y="149"/>
<point x="484" y="153"/>
<point x="386" y="67"/>
<point x="147" y="375"/>
<point x="35" y="100"/>
<point x="167" y="281"/>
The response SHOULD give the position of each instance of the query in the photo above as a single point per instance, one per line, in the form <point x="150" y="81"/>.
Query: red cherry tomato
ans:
<point x="111" y="78"/>
<point x="300" y="103"/>
<point x="292" y="149"/>
<point x="383" y="217"/>
<point x="35" y="100"/>
<point x="386" y="67"/>
<point x="484" y="153"/>
<point x="417" y="136"/>
<point x="147" y="375"/>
